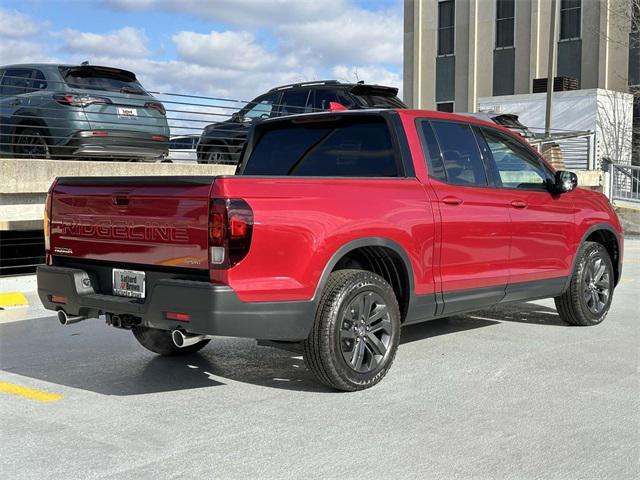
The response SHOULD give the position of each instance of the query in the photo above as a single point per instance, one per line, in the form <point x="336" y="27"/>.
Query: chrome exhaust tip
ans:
<point x="182" y="339"/>
<point x="65" y="319"/>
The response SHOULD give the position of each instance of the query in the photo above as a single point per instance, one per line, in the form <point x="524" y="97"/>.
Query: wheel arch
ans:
<point x="380" y="255"/>
<point x="609" y="238"/>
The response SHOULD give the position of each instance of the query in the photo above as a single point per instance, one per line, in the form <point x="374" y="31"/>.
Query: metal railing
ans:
<point x="578" y="149"/>
<point x="39" y="122"/>
<point x="624" y="182"/>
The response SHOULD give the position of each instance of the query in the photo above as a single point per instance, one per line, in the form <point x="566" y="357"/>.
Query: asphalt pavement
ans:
<point x="506" y="393"/>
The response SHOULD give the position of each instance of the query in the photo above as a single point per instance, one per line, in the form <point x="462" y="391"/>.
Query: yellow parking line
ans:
<point x="29" y="393"/>
<point x="13" y="299"/>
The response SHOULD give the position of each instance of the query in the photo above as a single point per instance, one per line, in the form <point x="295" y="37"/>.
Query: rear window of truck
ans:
<point x="360" y="148"/>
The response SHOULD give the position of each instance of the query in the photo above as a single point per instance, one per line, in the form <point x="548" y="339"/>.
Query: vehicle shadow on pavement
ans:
<point x="90" y="356"/>
<point x="531" y="313"/>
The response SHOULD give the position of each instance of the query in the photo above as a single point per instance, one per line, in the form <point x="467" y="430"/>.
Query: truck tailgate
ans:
<point x="160" y="221"/>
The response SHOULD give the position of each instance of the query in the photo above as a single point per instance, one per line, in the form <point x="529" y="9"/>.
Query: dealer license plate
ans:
<point x="126" y="112"/>
<point x="128" y="283"/>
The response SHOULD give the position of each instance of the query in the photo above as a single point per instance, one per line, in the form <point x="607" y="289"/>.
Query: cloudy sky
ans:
<point x="225" y="48"/>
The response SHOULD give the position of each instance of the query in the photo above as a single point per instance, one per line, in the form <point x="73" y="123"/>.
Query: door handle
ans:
<point x="519" y="204"/>
<point x="452" y="201"/>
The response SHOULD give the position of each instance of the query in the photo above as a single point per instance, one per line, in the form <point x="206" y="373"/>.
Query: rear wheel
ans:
<point x="30" y="143"/>
<point x="215" y="156"/>
<point x="356" y="331"/>
<point x="588" y="298"/>
<point x="160" y="342"/>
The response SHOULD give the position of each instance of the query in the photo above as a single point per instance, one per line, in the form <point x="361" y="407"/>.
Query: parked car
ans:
<point x="222" y="142"/>
<point x="182" y="149"/>
<point x="338" y="229"/>
<point x="79" y="111"/>
<point x="507" y="120"/>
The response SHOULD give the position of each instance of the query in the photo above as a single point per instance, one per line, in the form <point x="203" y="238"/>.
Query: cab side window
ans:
<point x="460" y="155"/>
<point x="516" y="166"/>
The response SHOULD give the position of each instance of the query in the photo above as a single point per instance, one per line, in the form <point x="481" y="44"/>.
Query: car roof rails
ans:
<point x="306" y="84"/>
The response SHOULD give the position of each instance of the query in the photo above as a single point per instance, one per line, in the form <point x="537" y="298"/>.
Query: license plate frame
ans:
<point x="128" y="112"/>
<point x="122" y="286"/>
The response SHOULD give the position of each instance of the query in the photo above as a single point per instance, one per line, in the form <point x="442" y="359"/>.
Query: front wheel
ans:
<point x="160" y="342"/>
<point x="588" y="298"/>
<point x="356" y="331"/>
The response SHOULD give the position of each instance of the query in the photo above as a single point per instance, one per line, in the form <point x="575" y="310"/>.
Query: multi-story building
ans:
<point x="457" y="51"/>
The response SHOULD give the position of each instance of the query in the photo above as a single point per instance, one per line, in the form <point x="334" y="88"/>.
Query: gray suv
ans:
<point x="79" y="111"/>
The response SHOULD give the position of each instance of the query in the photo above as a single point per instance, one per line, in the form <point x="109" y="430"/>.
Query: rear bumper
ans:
<point x="213" y="309"/>
<point x="116" y="144"/>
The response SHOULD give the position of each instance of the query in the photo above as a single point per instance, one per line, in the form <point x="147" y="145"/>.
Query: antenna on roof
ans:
<point x="85" y="63"/>
<point x="360" y="82"/>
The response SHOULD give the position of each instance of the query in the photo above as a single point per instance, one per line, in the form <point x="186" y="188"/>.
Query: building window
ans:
<point x="446" y="27"/>
<point x="505" y="23"/>
<point x="570" y="19"/>
<point x="445" y="107"/>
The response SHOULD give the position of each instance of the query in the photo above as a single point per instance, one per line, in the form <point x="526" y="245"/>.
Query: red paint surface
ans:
<point x="299" y="223"/>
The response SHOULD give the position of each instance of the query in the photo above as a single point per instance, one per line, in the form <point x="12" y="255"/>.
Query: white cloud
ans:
<point x="373" y="74"/>
<point x="15" y="24"/>
<point x="237" y="50"/>
<point x="354" y="35"/>
<point x="126" y="42"/>
<point x="22" y="51"/>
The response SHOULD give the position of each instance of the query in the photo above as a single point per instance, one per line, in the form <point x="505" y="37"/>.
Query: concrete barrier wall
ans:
<point x="24" y="183"/>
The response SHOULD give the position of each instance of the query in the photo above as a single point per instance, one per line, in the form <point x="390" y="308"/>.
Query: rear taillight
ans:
<point x="80" y="100"/>
<point x="47" y="223"/>
<point x="156" y="106"/>
<point x="230" y="230"/>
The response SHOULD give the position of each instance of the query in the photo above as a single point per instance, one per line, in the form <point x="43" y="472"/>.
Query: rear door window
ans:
<point x="322" y="98"/>
<point x="460" y="154"/>
<point x="16" y="81"/>
<point x="361" y="148"/>
<point x="294" y="102"/>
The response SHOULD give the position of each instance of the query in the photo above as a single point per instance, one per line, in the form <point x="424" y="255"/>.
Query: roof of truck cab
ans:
<point x="403" y="112"/>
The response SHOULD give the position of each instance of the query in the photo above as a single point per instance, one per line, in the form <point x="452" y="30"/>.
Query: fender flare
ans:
<point x="587" y="233"/>
<point x="359" y="243"/>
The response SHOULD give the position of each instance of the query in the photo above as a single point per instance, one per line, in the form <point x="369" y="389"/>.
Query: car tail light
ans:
<point x="47" y="223"/>
<point x="230" y="230"/>
<point x="80" y="100"/>
<point x="156" y="106"/>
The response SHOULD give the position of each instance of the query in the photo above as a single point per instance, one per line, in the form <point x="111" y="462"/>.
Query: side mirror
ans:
<point x="237" y="117"/>
<point x="565" y="181"/>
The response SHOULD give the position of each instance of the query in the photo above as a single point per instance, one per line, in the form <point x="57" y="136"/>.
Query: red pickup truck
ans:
<point x="338" y="229"/>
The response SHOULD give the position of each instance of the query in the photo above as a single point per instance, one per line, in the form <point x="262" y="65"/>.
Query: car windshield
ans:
<point x="105" y="79"/>
<point x="382" y="101"/>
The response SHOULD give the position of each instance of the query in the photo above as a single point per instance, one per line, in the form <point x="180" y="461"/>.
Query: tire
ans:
<point x="215" y="156"/>
<point x="30" y="143"/>
<point x="160" y="342"/>
<point x="588" y="298"/>
<point x="340" y="350"/>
